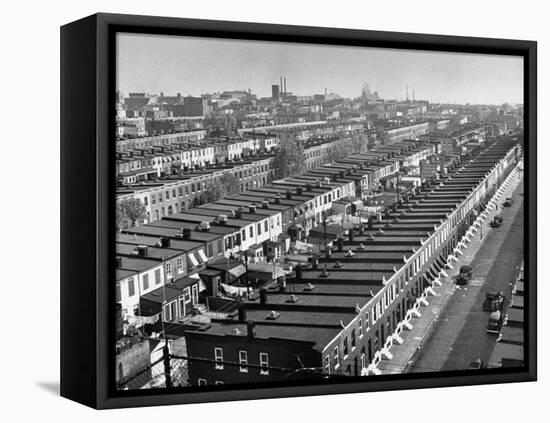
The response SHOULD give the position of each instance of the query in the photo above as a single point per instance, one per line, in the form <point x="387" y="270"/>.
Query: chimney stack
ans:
<point x="242" y="314"/>
<point x="250" y="329"/>
<point x="263" y="296"/>
<point x="282" y="88"/>
<point x="285" y="83"/>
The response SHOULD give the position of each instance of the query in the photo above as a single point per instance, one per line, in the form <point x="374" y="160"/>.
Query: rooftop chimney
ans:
<point x="263" y="296"/>
<point x="242" y="313"/>
<point x="250" y="329"/>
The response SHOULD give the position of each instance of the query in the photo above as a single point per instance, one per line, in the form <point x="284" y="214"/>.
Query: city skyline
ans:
<point x="195" y="66"/>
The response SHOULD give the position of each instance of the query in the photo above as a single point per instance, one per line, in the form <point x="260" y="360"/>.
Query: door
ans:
<point x="195" y="294"/>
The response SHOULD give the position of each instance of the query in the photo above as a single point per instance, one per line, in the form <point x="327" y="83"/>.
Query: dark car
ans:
<point x="496" y="222"/>
<point x="478" y="364"/>
<point x="493" y="301"/>
<point x="464" y="275"/>
<point x="509" y="201"/>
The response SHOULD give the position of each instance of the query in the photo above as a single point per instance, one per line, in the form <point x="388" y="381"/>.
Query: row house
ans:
<point x="339" y="316"/>
<point x="168" y="290"/>
<point x="135" y="276"/>
<point x="165" y="196"/>
<point x="123" y="145"/>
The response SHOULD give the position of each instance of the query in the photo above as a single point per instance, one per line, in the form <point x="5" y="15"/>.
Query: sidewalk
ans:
<point x="413" y="340"/>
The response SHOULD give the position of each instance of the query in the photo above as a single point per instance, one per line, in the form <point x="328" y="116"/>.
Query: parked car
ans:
<point x="478" y="364"/>
<point x="464" y="275"/>
<point x="508" y="202"/>
<point x="496" y="320"/>
<point x="496" y="222"/>
<point x="494" y="301"/>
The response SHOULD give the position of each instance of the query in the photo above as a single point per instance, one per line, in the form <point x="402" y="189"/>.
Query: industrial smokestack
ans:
<point x="284" y="79"/>
<point x="326" y="91"/>
<point x="282" y="88"/>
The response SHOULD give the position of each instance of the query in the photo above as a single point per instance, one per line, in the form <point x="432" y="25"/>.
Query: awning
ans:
<point x="202" y="256"/>
<point x="202" y="286"/>
<point x="237" y="271"/>
<point x="441" y="262"/>
<point x="432" y="272"/>
<point x="193" y="259"/>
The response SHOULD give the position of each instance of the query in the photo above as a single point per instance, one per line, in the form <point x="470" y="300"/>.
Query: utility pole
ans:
<point x="246" y="274"/>
<point x="325" y="233"/>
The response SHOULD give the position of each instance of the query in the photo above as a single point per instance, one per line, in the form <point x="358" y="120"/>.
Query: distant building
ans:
<point x="194" y="106"/>
<point x="275" y="91"/>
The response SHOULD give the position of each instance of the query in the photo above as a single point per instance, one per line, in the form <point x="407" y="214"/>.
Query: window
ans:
<point x="336" y="357"/>
<point x="146" y="201"/>
<point x="202" y="382"/>
<point x="259" y="229"/>
<point x="167" y="195"/>
<point x="360" y="328"/>
<point x="146" y="281"/>
<point x="363" y="361"/>
<point x="243" y="233"/>
<point x="181" y="301"/>
<point x="264" y="363"/>
<point x="218" y="358"/>
<point x="265" y="226"/>
<point x="179" y="264"/>
<point x="118" y="293"/>
<point x="168" y="313"/>
<point x="243" y="361"/>
<point x="187" y="295"/>
<point x="251" y="231"/>
<point x="168" y="266"/>
<point x="157" y="276"/>
<point x="210" y="250"/>
<point x="131" y="287"/>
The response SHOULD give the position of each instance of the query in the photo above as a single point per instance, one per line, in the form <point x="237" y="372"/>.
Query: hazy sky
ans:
<point x="193" y="66"/>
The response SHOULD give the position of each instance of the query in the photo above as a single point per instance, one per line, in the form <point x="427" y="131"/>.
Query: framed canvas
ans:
<point x="259" y="211"/>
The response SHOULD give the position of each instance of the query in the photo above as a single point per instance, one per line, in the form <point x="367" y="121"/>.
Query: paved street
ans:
<point x="458" y="336"/>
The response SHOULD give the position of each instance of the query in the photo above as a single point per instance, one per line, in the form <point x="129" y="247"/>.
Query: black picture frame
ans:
<point x="87" y="205"/>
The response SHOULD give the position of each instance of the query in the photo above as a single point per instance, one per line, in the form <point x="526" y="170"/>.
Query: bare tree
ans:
<point x="128" y="212"/>
<point x="289" y="160"/>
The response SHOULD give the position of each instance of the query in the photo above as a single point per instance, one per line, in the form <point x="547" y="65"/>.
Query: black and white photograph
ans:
<point x="293" y="213"/>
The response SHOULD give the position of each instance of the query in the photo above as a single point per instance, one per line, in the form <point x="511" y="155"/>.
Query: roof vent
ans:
<point x="361" y="247"/>
<point x="309" y="287"/>
<point x="222" y="219"/>
<point x="349" y="253"/>
<point x="338" y="265"/>
<point x="204" y="227"/>
<point x="292" y="299"/>
<point x="273" y="315"/>
<point x="235" y="331"/>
